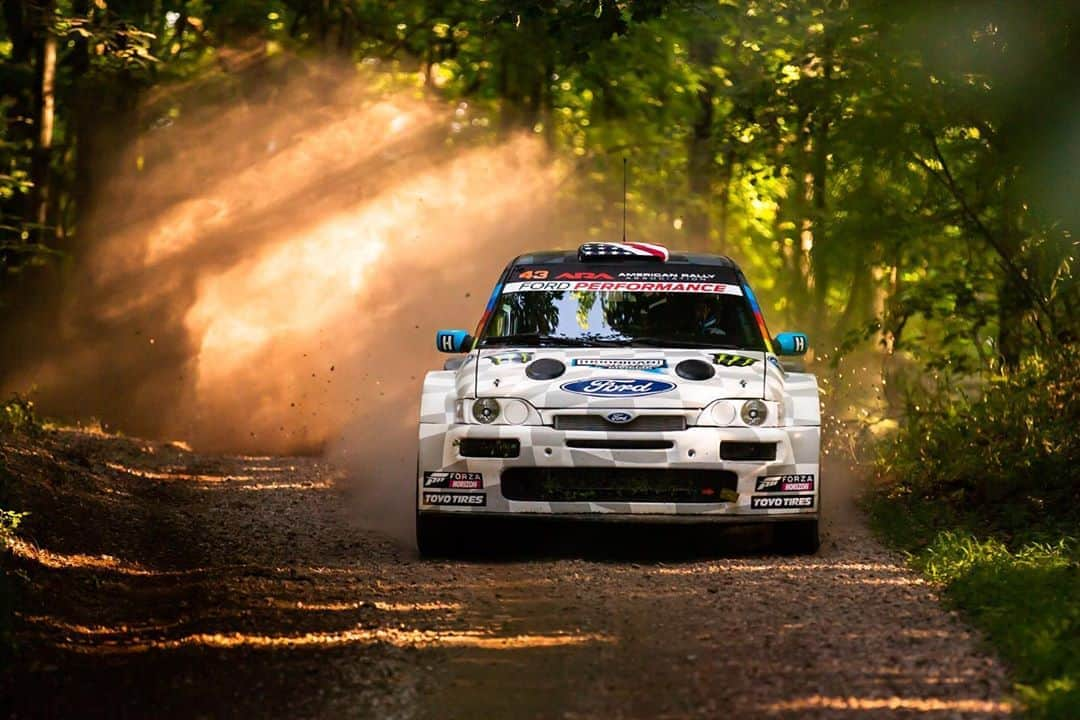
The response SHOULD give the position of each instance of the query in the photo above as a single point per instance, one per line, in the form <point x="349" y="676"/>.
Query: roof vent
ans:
<point x="622" y="251"/>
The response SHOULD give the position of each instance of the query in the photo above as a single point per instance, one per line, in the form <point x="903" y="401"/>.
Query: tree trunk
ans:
<point x="727" y="173"/>
<point x="1011" y="310"/>
<point x="1014" y="293"/>
<point x="819" y="163"/>
<point x="44" y="114"/>
<point x="85" y="106"/>
<point x="700" y="153"/>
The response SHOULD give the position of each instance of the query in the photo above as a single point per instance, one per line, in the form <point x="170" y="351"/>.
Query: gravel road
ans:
<point x="164" y="583"/>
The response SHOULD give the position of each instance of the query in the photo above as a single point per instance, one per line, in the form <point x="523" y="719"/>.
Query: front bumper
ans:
<point x="477" y="486"/>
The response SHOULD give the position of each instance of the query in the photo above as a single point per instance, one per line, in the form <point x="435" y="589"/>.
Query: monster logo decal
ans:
<point x="728" y="360"/>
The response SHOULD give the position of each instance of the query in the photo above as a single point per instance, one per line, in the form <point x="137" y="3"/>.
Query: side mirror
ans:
<point x="791" y="343"/>
<point x="453" y="341"/>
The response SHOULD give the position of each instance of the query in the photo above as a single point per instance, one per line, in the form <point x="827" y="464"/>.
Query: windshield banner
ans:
<point x="710" y="288"/>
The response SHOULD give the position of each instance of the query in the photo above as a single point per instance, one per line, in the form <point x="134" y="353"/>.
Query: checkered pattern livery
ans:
<point x="793" y="425"/>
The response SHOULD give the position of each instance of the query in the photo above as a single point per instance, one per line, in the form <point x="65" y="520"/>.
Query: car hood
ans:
<point x="617" y="377"/>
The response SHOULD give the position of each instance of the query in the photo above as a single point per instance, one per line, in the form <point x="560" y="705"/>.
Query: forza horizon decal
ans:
<point x="785" y="483"/>
<point x="454" y="480"/>
<point x="777" y="502"/>
<point x="446" y="498"/>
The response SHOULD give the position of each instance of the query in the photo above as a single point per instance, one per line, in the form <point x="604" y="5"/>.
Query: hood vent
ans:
<point x="545" y="369"/>
<point x="695" y="370"/>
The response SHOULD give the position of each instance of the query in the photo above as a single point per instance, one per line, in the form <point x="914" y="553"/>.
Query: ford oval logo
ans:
<point x="619" y="418"/>
<point x="615" y="387"/>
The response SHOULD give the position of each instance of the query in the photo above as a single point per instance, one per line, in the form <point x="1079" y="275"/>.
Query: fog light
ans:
<point x="486" y="410"/>
<point x="754" y="412"/>
<point x="762" y="452"/>
<point x="489" y="448"/>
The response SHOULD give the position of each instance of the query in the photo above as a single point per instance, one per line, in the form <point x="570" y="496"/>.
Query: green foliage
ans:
<point x="17" y="416"/>
<point x="980" y="485"/>
<point x="864" y="160"/>
<point x="876" y="166"/>
<point x="9" y="523"/>
<point x="1025" y="595"/>
<point x="1006" y="447"/>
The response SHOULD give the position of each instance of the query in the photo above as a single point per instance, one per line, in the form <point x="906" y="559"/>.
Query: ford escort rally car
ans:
<point x="619" y="382"/>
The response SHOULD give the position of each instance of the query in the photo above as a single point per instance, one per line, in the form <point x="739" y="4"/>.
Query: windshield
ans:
<point x="688" y="315"/>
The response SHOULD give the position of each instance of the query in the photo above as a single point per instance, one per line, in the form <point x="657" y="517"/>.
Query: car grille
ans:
<point x="618" y="485"/>
<point x="642" y="423"/>
<point x="619" y="444"/>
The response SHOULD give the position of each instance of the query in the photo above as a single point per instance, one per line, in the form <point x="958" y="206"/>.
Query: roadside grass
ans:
<point x="980" y="485"/>
<point x="1024" y="594"/>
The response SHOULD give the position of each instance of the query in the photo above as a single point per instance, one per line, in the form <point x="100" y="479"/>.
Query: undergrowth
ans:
<point x="980" y="487"/>
<point x="16" y="417"/>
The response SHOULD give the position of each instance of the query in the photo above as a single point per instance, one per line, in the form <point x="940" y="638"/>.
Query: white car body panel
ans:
<point x="500" y="373"/>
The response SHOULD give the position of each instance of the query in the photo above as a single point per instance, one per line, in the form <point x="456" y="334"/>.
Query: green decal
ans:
<point x="522" y="357"/>
<point x="733" y="360"/>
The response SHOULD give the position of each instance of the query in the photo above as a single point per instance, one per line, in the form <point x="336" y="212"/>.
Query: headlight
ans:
<point x="485" y="410"/>
<point x="754" y="412"/>
<point x="515" y="412"/>
<point x="723" y="413"/>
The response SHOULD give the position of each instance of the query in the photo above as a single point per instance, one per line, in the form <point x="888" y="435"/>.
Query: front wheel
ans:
<point x="797" y="537"/>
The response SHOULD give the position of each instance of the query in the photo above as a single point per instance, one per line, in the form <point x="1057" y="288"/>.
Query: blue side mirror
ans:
<point x="453" y="341"/>
<point x="791" y="343"/>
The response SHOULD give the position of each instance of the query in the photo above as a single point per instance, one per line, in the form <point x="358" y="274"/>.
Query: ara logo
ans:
<point x="583" y="276"/>
<point x="617" y="387"/>
<point x="619" y="418"/>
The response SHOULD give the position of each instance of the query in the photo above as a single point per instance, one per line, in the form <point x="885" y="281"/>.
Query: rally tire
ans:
<point x="797" y="537"/>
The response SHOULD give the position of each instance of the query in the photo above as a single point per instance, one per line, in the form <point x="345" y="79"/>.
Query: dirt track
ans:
<point x="167" y="584"/>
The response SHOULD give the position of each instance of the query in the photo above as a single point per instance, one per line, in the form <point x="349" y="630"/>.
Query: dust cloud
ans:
<point x="267" y="274"/>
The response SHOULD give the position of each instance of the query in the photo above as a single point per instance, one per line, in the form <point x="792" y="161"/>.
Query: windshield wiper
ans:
<point x="651" y="341"/>
<point x="537" y="340"/>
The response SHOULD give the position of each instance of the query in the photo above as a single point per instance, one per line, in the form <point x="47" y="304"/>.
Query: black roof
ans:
<point x="561" y="257"/>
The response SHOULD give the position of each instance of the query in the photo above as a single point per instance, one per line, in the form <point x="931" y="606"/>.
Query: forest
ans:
<point x="899" y="179"/>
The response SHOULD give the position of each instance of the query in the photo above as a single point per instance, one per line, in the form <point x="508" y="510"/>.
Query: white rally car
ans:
<point x="619" y="382"/>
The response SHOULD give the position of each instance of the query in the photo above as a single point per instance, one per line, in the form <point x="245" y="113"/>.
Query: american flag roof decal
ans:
<point x="606" y="251"/>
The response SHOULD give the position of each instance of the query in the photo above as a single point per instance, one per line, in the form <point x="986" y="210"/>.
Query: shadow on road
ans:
<point x="525" y="539"/>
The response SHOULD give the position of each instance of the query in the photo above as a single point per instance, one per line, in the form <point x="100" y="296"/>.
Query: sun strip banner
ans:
<point x="708" y="288"/>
